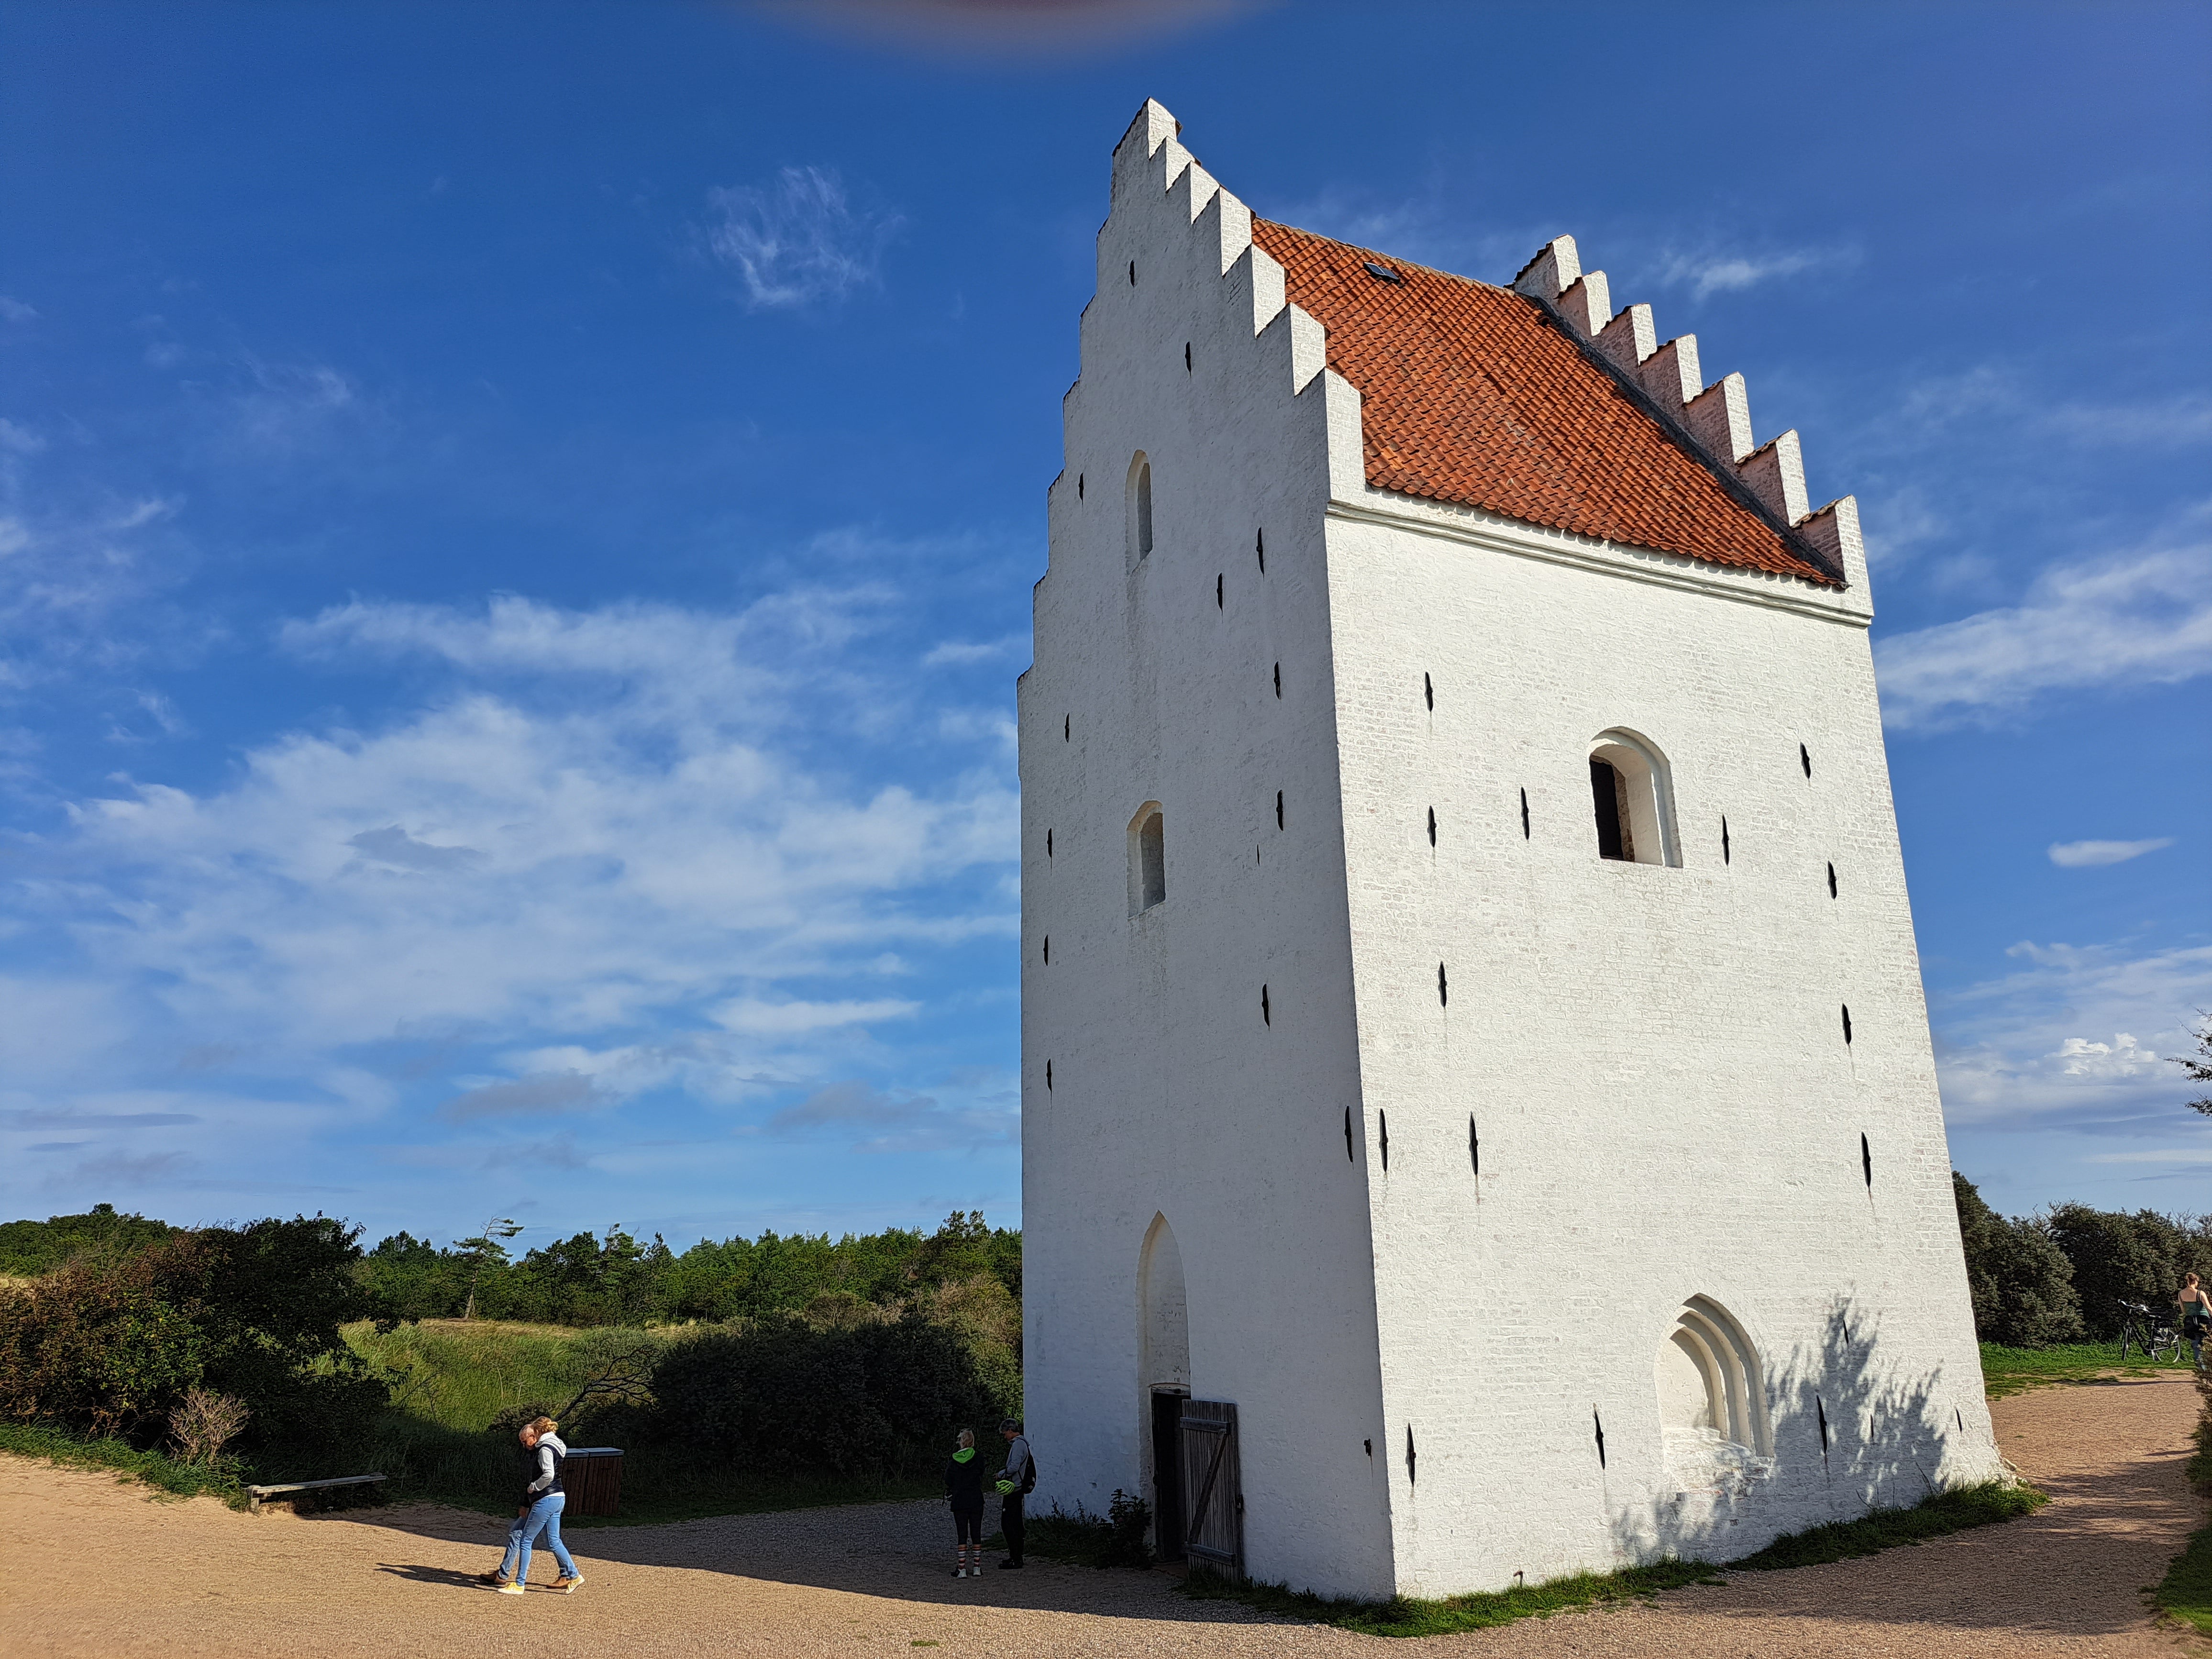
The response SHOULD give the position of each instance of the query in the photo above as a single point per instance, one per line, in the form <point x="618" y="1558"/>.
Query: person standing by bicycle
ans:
<point x="2196" y="1316"/>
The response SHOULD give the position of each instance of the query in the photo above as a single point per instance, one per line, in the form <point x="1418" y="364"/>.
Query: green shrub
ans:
<point x="1119" y="1538"/>
<point x="2021" y="1280"/>
<point x="28" y="1249"/>
<point x="2134" y="1258"/>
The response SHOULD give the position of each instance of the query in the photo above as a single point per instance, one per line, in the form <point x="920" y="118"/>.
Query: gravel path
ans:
<point x="95" y="1567"/>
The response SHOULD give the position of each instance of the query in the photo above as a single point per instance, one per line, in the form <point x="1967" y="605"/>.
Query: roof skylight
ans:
<point x="1382" y="273"/>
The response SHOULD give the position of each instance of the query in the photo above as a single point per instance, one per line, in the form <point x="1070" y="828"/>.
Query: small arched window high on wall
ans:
<point x="1148" y="861"/>
<point x="1633" y="798"/>
<point x="1140" y="508"/>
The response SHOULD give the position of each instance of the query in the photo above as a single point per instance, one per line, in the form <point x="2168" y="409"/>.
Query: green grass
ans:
<point x="151" y="1468"/>
<point x="1951" y="1511"/>
<point x="2011" y="1370"/>
<point x="1409" y="1616"/>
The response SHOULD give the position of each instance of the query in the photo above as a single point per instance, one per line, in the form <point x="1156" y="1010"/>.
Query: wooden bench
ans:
<point x="256" y="1496"/>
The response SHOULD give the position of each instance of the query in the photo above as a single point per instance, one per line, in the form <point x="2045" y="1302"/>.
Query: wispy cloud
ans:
<point x="2143" y="619"/>
<point x="1707" y="271"/>
<point x="2079" y="854"/>
<point x="14" y="311"/>
<point x="897" y="1121"/>
<point x="1002" y="28"/>
<point x="798" y="239"/>
<point x="962" y="653"/>
<point x="543" y="1091"/>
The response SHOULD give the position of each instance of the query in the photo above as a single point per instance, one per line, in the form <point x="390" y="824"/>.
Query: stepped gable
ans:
<point x="1472" y="394"/>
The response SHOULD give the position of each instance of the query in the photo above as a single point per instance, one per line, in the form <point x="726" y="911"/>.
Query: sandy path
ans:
<point x="95" y="1567"/>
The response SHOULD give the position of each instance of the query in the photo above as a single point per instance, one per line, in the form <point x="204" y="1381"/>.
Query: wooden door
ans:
<point x="1213" y="1488"/>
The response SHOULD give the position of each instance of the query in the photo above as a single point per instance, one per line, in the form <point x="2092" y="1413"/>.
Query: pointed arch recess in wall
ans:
<point x="1163" y="1312"/>
<point x="1712" y="1392"/>
<point x="1632" y="791"/>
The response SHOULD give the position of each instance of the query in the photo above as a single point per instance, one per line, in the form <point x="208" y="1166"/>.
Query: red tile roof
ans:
<point x="1472" y="394"/>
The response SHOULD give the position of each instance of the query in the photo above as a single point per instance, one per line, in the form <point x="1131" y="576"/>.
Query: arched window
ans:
<point x="1711" y="1394"/>
<point x="1633" y="798"/>
<point x="1148" y="862"/>
<point x="1140" y="508"/>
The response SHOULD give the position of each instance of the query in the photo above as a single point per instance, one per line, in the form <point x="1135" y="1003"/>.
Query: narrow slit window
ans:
<point x="1047" y="1077"/>
<point x="1429" y="693"/>
<point x="1186" y="356"/>
<point x="1279" y="809"/>
<point x="1048" y="950"/>
<point x="1066" y="727"/>
<point x="1217" y="582"/>
<point x="1150" y="863"/>
<point x="1410" y="1465"/>
<point x="1443" y="987"/>
<point x="1473" y="1146"/>
<point x="1382" y="1138"/>
<point x="1598" y="1423"/>
<point x="1821" y="1412"/>
<point x="1524" y="814"/>
<point x="1432" y="826"/>
<point x="1832" y="881"/>
<point x="1349" y="1156"/>
<point x="1047" y="843"/>
<point x="1726" y="857"/>
<point x="1279" y="679"/>
<point x="1866" y="1162"/>
<point x="1078" y="486"/>
<point x="1266" y="1015"/>
<point x="1140" y="508"/>
<point x="1847" y="1025"/>
<point x="1132" y="273"/>
<point x="1805" y="759"/>
<point x="1259" y="549"/>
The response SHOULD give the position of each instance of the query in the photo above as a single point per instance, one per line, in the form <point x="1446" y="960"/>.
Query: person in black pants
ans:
<point x="964" y="1487"/>
<point x="1016" y="1482"/>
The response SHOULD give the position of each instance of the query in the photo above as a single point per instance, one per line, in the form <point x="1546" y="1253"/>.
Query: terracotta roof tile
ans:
<point x="1472" y="394"/>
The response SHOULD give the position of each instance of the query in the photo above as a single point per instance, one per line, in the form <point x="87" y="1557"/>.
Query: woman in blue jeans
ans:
<point x="540" y="1511"/>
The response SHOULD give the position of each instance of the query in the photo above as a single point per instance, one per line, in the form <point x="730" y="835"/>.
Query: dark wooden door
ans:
<point x="1167" y="1474"/>
<point x="1214" y="1504"/>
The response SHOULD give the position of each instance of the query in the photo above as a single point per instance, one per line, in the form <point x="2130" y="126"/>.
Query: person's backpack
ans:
<point x="1029" y="1475"/>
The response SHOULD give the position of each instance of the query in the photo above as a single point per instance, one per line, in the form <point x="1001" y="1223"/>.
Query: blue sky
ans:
<point x="516" y="527"/>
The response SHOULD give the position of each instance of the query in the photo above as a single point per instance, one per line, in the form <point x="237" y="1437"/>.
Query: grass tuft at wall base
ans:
<point x="1409" y="1616"/>
<point x="1980" y="1505"/>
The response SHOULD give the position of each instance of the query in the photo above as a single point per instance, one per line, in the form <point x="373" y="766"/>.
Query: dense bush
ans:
<point x="614" y="1280"/>
<point x="28" y="1249"/>
<point x="2136" y="1258"/>
<point x="111" y="1343"/>
<point x="866" y="1399"/>
<point x="2021" y="1281"/>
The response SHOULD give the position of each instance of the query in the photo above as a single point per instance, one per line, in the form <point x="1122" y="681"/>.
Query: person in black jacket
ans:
<point x="1016" y="1482"/>
<point x="964" y="1486"/>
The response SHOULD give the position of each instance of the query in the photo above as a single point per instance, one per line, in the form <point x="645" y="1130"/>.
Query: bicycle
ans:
<point x="2154" y="1337"/>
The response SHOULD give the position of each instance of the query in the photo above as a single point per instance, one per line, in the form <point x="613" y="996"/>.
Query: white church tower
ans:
<point x="1478" y="1116"/>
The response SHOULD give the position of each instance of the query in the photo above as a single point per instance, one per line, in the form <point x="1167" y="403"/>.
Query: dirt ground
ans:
<point x="95" y="1567"/>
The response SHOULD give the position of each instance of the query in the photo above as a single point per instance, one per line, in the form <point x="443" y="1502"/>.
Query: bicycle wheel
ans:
<point x="2168" y="1349"/>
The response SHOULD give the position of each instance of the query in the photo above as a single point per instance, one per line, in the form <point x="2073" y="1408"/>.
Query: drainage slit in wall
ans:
<point x="1279" y="809"/>
<point x="1524" y="814"/>
<point x="1279" y="679"/>
<point x="1382" y="1126"/>
<point x="1432" y="826"/>
<point x="1847" y="1025"/>
<point x="1805" y="759"/>
<point x="1473" y="1146"/>
<point x="1725" y="855"/>
<point x="1599" y="1423"/>
<point x="1832" y="881"/>
<point x="1429" y="692"/>
<point x="1866" y="1162"/>
<point x="1443" y="987"/>
<point x="1267" y="1016"/>
<point x="1410" y="1475"/>
<point x="1349" y="1157"/>
<point x="1259" y="548"/>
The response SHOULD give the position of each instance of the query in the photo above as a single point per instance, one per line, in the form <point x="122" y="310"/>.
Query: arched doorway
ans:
<point x="1163" y="1376"/>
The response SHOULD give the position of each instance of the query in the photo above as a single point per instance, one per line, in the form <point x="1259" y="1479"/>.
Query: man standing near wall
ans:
<point x="1016" y="1482"/>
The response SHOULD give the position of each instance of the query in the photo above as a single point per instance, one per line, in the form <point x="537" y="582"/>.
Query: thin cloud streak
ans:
<point x="799" y="241"/>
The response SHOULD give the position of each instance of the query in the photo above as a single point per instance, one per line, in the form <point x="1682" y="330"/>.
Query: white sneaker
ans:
<point x="510" y="1590"/>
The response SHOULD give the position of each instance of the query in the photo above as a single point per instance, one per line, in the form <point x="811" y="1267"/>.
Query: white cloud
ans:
<point x="904" y="1122"/>
<point x="2145" y="619"/>
<point x="2077" y="855"/>
<point x="798" y="240"/>
<point x="14" y="311"/>
<point x="961" y="654"/>
<point x="2054" y="1041"/>
<point x="602" y="822"/>
<point x="1706" y="272"/>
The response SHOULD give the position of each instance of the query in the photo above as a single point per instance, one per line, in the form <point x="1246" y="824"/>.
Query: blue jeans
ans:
<point x="544" y="1517"/>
